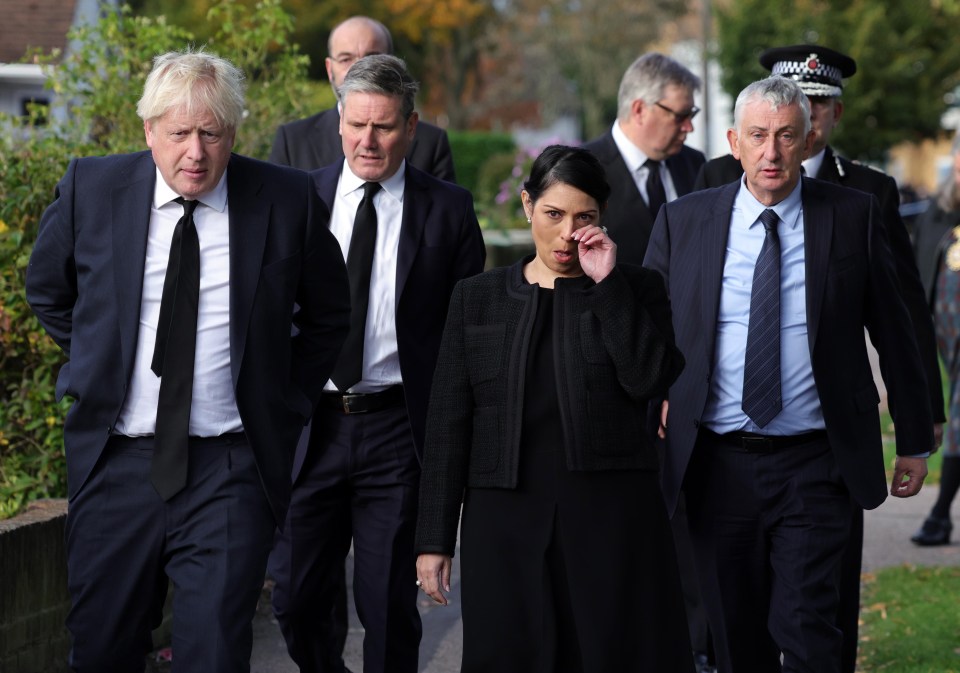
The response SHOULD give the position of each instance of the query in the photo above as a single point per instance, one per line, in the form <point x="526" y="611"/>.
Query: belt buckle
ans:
<point x="756" y="444"/>
<point x="347" y="399"/>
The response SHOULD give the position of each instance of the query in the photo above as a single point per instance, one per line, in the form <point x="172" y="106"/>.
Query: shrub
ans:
<point x="97" y="87"/>
<point x="472" y="149"/>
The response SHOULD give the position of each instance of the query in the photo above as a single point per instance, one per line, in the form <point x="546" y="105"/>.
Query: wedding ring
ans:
<point x="603" y="229"/>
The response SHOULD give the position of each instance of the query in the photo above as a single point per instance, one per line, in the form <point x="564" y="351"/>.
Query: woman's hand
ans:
<point x="664" y="410"/>
<point x="433" y="574"/>
<point x="598" y="254"/>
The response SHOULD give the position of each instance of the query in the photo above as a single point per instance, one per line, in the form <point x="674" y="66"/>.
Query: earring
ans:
<point x="529" y="221"/>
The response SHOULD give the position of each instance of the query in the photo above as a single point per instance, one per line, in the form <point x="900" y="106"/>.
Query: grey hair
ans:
<point x="647" y="79"/>
<point x="385" y="32"/>
<point x="195" y="81"/>
<point x="381" y="74"/>
<point x="775" y="90"/>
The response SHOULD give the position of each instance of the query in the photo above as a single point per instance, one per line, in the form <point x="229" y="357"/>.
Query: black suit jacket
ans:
<point x="315" y="142"/>
<point x="851" y="283"/>
<point x="627" y="216"/>
<point x="440" y="244"/>
<point x="85" y="282"/>
<point x="840" y="171"/>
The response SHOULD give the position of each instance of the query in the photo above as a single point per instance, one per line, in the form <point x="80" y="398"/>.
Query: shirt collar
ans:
<point x="216" y="198"/>
<point x="787" y="210"/>
<point x="632" y="155"/>
<point x="393" y="185"/>
<point x="812" y="164"/>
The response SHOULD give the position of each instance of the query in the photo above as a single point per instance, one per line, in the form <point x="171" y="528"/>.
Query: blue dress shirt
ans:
<point x="801" y="405"/>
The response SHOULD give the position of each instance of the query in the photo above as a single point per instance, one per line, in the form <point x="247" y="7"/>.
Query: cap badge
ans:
<point x="812" y="62"/>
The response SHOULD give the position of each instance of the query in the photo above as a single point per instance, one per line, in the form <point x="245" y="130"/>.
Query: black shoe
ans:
<point x="934" y="532"/>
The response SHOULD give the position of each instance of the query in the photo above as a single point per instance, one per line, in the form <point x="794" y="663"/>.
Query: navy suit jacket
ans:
<point x="851" y="283"/>
<point x="841" y="171"/>
<point x="627" y="216"/>
<point x="315" y="142"/>
<point x="440" y="244"/>
<point x="85" y="282"/>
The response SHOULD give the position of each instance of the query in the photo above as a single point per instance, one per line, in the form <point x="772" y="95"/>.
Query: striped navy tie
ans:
<point x="762" y="398"/>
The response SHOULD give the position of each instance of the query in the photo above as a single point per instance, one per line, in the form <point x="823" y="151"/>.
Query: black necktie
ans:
<point x="762" y="399"/>
<point x="656" y="194"/>
<point x="349" y="368"/>
<point x="173" y="356"/>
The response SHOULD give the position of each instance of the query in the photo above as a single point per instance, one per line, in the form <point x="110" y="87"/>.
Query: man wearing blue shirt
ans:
<point x="774" y="425"/>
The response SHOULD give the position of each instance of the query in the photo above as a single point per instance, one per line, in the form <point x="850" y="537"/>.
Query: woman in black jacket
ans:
<point x="537" y="427"/>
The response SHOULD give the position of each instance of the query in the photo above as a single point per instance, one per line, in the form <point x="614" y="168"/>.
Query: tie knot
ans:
<point x="769" y="219"/>
<point x="652" y="165"/>
<point x="189" y="205"/>
<point x="370" y="189"/>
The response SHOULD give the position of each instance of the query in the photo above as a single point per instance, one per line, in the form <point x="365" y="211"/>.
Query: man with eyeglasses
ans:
<point x="644" y="155"/>
<point x="820" y="73"/>
<point x="314" y="142"/>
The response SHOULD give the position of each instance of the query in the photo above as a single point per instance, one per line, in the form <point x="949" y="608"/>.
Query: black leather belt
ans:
<point x="751" y="442"/>
<point x="362" y="403"/>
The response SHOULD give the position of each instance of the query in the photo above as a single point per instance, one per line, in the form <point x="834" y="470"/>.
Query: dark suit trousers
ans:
<point x="123" y="543"/>
<point x="359" y="481"/>
<point x="848" y="615"/>
<point x="769" y="530"/>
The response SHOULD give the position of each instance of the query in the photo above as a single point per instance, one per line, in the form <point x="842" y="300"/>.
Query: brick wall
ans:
<point x="33" y="590"/>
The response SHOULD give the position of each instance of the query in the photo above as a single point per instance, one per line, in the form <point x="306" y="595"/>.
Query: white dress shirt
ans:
<point x="811" y="166"/>
<point x="634" y="157"/>
<point x="213" y="410"/>
<point x="381" y="362"/>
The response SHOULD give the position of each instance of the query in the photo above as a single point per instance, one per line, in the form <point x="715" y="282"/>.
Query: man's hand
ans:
<point x="911" y="468"/>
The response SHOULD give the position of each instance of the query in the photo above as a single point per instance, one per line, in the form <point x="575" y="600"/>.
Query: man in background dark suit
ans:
<point x="820" y="73"/>
<point x="180" y="441"/>
<point x="773" y="427"/>
<point x="315" y="141"/>
<point x="357" y="476"/>
<point x="644" y="153"/>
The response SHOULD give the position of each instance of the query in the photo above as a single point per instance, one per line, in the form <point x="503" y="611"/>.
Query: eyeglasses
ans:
<point x="680" y="117"/>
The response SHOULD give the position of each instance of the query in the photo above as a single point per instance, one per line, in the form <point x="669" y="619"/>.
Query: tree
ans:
<point x="440" y="39"/>
<point x="572" y="54"/>
<point x="907" y="57"/>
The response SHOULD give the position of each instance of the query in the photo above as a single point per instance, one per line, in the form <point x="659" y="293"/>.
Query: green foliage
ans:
<point x="910" y="621"/>
<point x="97" y="87"/>
<point x="472" y="150"/>
<point x="907" y="59"/>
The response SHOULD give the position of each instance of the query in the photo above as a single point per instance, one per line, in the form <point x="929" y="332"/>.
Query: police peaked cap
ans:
<point x="819" y="71"/>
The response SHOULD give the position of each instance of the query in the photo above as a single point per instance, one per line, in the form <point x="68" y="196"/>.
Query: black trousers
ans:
<point x="359" y="483"/>
<point x="125" y="544"/>
<point x="769" y="530"/>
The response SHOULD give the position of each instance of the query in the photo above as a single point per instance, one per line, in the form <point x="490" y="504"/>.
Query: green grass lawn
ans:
<point x="910" y="621"/>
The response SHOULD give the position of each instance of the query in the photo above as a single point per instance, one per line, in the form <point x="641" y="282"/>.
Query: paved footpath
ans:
<point x="886" y="543"/>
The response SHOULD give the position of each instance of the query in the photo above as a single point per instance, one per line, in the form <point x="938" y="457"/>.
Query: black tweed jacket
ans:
<point x="614" y="349"/>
